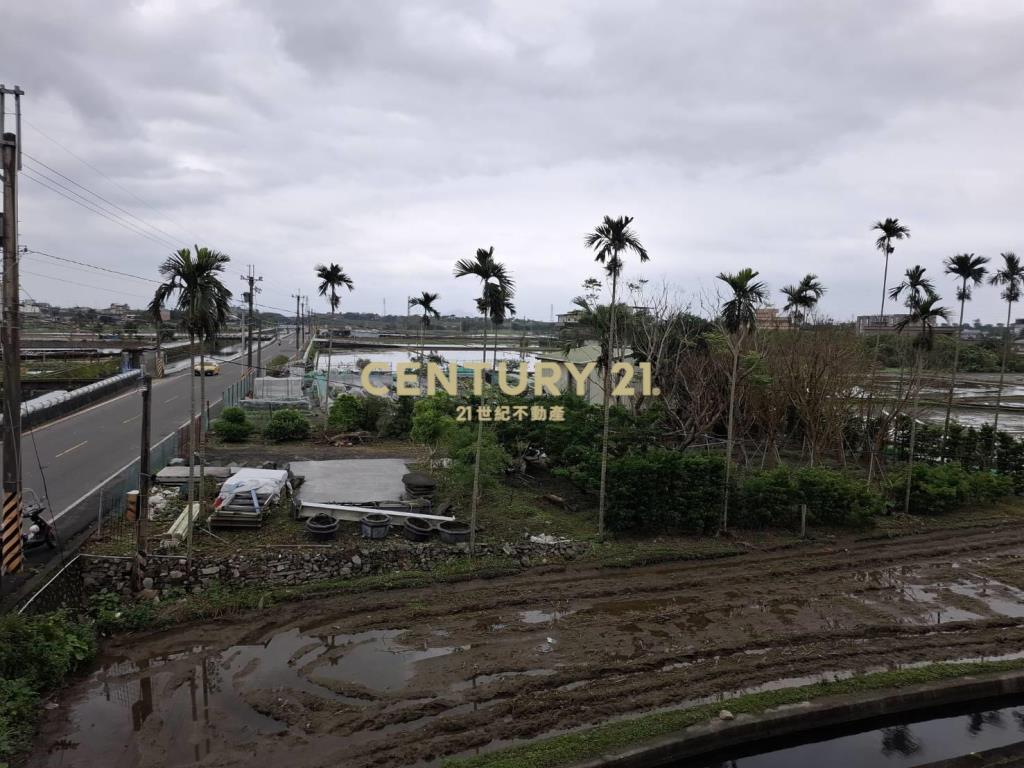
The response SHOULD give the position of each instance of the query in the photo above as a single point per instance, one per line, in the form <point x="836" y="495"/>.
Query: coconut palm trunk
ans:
<point x="202" y="425"/>
<point x="956" y="365"/>
<point x="876" y="444"/>
<point x="192" y="442"/>
<point x="729" y="432"/>
<point x="606" y="404"/>
<point x="1002" y="368"/>
<point x="913" y="429"/>
<point x="475" y="505"/>
<point x="330" y="358"/>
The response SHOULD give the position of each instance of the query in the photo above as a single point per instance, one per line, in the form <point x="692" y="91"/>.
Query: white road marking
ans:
<point x="69" y="450"/>
<point x="133" y="418"/>
<point x="171" y="398"/>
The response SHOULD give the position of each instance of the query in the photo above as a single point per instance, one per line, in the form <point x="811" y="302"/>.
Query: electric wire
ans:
<point x="101" y="197"/>
<point x="89" y="165"/>
<point x="89" y="207"/>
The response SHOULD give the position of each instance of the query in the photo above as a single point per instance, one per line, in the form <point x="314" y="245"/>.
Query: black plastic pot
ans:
<point x="375" y="525"/>
<point x="416" y="529"/>
<point x="453" y="531"/>
<point x="322" y="526"/>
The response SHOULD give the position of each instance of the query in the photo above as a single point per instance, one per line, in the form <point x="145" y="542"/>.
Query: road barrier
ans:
<point x="53" y="405"/>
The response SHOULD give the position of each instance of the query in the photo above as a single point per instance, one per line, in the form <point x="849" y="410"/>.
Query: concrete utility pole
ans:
<point x="250" y="296"/>
<point x="10" y="526"/>
<point x="298" y="331"/>
<point x="142" y="514"/>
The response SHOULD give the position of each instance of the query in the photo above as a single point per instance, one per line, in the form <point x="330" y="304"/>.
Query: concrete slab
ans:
<point x="179" y="475"/>
<point x="350" y="481"/>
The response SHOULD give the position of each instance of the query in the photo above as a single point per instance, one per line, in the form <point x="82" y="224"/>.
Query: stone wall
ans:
<point x="284" y="567"/>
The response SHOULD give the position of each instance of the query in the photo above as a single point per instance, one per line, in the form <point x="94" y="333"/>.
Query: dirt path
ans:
<point x="406" y="677"/>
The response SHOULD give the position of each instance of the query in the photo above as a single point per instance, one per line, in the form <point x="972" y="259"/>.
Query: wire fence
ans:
<point x="113" y="524"/>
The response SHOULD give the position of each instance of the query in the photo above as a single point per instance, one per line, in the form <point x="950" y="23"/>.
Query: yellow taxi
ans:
<point x="208" y="368"/>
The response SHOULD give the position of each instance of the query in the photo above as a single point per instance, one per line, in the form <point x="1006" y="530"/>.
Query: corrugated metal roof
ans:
<point x="581" y="355"/>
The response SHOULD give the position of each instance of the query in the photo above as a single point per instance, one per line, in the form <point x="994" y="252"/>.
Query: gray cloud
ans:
<point x="396" y="137"/>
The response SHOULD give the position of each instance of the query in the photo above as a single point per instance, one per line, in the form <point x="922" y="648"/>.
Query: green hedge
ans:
<point x="935" y="489"/>
<point x="665" y="490"/>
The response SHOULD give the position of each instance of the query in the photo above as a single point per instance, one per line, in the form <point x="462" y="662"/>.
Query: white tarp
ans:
<point x="263" y="485"/>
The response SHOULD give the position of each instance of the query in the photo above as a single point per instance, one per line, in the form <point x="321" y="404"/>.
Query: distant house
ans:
<point x="117" y="310"/>
<point x="874" y="324"/>
<point x="590" y="352"/>
<point x="570" y="318"/>
<point x="770" y="319"/>
<point x="29" y="307"/>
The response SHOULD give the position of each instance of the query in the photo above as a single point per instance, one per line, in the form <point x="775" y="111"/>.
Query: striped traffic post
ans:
<point x="11" y="533"/>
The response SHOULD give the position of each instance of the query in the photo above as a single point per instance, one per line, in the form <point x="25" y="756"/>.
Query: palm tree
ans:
<point x="1011" y="278"/>
<point x="889" y="230"/>
<point x="802" y="298"/>
<point x="331" y="279"/>
<point x="425" y="301"/>
<point x="499" y="308"/>
<point x="971" y="271"/>
<point x="193" y="281"/>
<point x="924" y="313"/>
<point x="491" y="272"/>
<point x="739" y="318"/>
<point x="610" y="240"/>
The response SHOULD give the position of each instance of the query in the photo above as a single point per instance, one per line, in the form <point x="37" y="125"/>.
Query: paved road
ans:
<point x="79" y="452"/>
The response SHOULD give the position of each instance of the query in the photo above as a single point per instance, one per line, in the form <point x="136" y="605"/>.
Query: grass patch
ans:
<point x="594" y="742"/>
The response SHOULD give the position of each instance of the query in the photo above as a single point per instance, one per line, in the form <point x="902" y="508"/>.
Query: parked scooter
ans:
<point x="40" y="532"/>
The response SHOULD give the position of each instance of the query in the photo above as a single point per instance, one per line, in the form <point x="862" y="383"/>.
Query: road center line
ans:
<point x="69" y="450"/>
<point x="133" y="418"/>
<point x="171" y="398"/>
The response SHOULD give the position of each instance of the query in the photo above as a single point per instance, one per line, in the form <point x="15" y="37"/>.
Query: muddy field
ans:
<point x="407" y="677"/>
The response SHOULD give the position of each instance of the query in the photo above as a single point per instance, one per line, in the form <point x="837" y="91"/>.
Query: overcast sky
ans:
<point x="395" y="137"/>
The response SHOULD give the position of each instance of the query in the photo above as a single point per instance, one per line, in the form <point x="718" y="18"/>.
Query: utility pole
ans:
<point x="298" y="299"/>
<point x="10" y="161"/>
<point x="142" y="513"/>
<point x="250" y="295"/>
<point x="309" y="318"/>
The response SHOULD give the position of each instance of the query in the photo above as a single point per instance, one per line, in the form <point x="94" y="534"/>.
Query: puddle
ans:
<point x="374" y="659"/>
<point x="195" y="702"/>
<point x="545" y="617"/>
<point x="967" y="597"/>
<point x="496" y="677"/>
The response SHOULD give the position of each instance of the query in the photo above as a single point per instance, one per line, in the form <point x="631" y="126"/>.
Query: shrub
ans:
<point x="346" y="413"/>
<point x="233" y="426"/>
<point x="664" y="490"/>
<point x="836" y="498"/>
<point x="36" y="655"/>
<point x="935" y="490"/>
<point x="286" y="424"/>
<point x="768" y="499"/>
<point x="43" y="650"/>
<point x="234" y="415"/>
<point x="396" y="418"/>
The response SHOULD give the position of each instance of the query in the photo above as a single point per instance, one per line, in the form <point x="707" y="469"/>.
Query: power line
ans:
<point x="80" y="285"/>
<point x="101" y="173"/>
<point x="90" y="207"/>
<point x="91" y="266"/>
<point x="125" y="222"/>
<point x="100" y="197"/>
